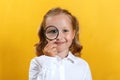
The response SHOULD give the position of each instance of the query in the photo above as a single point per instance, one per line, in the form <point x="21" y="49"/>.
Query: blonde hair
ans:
<point x="75" y="47"/>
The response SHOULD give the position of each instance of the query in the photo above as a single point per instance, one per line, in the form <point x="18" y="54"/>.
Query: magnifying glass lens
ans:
<point x="51" y="32"/>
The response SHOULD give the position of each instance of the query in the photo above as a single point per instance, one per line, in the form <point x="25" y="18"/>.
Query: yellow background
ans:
<point x="99" y="35"/>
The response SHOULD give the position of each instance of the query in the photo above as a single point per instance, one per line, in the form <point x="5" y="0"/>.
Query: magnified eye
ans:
<point x="52" y="31"/>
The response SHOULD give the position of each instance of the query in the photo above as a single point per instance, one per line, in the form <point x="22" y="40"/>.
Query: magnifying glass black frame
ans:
<point x="53" y="27"/>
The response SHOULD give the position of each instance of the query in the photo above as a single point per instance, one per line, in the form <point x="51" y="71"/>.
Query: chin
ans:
<point x="61" y="49"/>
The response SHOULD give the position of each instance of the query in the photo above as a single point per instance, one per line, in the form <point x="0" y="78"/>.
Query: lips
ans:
<point x="59" y="43"/>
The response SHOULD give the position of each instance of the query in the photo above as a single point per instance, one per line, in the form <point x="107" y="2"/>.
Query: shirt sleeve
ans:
<point x="41" y="68"/>
<point x="88" y="75"/>
<point x="34" y="70"/>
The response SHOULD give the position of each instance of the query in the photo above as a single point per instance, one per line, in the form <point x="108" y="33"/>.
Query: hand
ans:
<point x="50" y="49"/>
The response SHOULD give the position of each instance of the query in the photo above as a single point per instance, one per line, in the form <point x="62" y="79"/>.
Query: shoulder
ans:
<point x="43" y="60"/>
<point x="77" y="59"/>
<point x="80" y="61"/>
<point x="38" y="60"/>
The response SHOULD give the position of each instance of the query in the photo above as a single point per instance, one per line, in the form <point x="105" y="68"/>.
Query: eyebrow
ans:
<point x="51" y="26"/>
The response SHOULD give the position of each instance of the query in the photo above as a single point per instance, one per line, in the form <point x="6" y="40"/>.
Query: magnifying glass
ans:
<point x="51" y="32"/>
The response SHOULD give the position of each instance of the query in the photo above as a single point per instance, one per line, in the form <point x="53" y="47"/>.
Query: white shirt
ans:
<point x="55" y="68"/>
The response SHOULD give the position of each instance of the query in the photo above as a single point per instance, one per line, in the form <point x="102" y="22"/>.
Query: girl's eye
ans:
<point x="52" y="31"/>
<point x="65" y="30"/>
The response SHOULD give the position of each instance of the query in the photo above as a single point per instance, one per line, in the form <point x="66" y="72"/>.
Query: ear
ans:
<point x="73" y="34"/>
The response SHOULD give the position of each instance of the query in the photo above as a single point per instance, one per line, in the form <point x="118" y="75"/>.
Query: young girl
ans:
<point x="57" y="59"/>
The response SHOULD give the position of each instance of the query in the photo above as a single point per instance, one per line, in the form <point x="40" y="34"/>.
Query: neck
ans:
<point x="63" y="54"/>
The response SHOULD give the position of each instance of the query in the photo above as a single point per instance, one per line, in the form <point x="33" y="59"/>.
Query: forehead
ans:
<point x="60" y="20"/>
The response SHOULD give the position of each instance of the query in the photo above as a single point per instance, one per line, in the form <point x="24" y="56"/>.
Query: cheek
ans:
<point x="69" y="39"/>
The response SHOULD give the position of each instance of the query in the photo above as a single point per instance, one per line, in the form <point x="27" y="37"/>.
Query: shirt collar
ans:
<point x="71" y="57"/>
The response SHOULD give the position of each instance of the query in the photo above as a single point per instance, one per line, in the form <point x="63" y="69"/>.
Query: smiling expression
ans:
<point x="66" y="33"/>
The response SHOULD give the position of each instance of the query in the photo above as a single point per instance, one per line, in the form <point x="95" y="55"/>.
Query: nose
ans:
<point x="60" y="35"/>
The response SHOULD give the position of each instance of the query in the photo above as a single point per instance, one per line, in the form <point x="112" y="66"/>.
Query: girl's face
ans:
<point x="66" y="33"/>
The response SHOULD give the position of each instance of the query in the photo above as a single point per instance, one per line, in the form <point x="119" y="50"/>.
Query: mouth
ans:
<point x="59" y="43"/>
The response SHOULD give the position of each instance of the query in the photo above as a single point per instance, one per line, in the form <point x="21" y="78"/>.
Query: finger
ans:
<point x="51" y="45"/>
<point x="52" y="52"/>
<point x="52" y="41"/>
